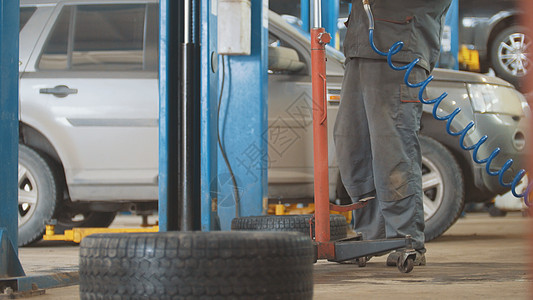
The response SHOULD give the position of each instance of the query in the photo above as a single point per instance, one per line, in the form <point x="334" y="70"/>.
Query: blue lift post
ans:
<point x="208" y="104"/>
<point x="11" y="272"/>
<point x="449" y="54"/>
<point x="305" y="11"/>
<point x="243" y="125"/>
<point x="243" y="118"/>
<point x="452" y="20"/>
<point x="330" y="16"/>
<point x="9" y="28"/>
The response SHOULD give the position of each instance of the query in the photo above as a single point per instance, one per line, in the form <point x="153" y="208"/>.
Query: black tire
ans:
<point x="66" y="220"/>
<point x="442" y="182"/>
<point x="500" y="45"/>
<point x="298" y="223"/>
<point x="39" y="193"/>
<point x="406" y="266"/>
<point x="495" y="212"/>
<point x="196" y="265"/>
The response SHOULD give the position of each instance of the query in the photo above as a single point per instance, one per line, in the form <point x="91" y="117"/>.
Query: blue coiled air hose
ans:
<point x="397" y="47"/>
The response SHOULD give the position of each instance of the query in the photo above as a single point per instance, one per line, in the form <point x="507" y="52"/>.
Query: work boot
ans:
<point x="392" y="260"/>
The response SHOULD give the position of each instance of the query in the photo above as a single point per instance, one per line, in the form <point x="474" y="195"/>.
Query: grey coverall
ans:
<point x="376" y="131"/>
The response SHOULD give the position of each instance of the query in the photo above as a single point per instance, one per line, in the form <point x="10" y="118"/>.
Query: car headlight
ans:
<point x="489" y="98"/>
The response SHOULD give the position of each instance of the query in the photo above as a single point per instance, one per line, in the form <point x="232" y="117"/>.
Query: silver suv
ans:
<point x="89" y="118"/>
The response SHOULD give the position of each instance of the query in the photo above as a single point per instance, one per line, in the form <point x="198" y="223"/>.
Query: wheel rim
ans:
<point x="433" y="187"/>
<point x="27" y="194"/>
<point x="513" y="54"/>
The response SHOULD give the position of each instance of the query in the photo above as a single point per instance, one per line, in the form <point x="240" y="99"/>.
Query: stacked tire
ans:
<point x="296" y="223"/>
<point x="193" y="265"/>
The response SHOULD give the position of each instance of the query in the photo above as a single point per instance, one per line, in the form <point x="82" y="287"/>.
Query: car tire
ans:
<point x="298" y="223"/>
<point x="89" y="219"/>
<point x="39" y="192"/>
<point x="500" y="47"/>
<point x="443" y="186"/>
<point x="196" y="265"/>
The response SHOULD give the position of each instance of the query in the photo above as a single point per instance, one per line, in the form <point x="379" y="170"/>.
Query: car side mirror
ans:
<point x="283" y="59"/>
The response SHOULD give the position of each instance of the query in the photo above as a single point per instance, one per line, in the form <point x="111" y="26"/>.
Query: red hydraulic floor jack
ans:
<point x="351" y="248"/>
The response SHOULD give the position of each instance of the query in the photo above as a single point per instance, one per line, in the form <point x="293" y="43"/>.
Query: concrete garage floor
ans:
<point x="480" y="257"/>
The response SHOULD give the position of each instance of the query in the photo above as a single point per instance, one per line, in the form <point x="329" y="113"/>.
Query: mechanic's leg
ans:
<point x="369" y="220"/>
<point x="352" y="141"/>
<point x="393" y="114"/>
<point x="354" y="155"/>
<point x="403" y="217"/>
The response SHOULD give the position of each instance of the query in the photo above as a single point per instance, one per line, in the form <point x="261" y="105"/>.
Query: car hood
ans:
<point x="468" y="77"/>
<point x="447" y="75"/>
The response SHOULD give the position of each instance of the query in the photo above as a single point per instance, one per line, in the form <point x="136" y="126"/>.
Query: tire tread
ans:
<point x="191" y="265"/>
<point x="298" y="223"/>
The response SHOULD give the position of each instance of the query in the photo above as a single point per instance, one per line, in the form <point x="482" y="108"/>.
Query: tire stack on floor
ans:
<point x="299" y="223"/>
<point x="197" y="265"/>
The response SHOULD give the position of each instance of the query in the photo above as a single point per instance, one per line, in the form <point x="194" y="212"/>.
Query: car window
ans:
<point x="102" y="37"/>
<point x="296" y="64"/>
<point x="25" y="15"/>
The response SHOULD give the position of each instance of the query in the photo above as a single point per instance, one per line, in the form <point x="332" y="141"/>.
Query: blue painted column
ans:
<point x="243" y="125"/>
<point x="330" y="15"/>
<point x="305" y="14"/>
<point x="209" y="93"/>
<point x="450" y="40"/>
<point x="453" y="20"/>
<point x="9" y="41"/>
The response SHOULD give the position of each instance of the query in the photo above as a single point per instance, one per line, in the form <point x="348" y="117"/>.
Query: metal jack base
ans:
<point x="9" y="262"/>
<point x="350" y="249"/>
<point x="355" y="248"/>
<point x="25" y="286"/>
<point x="14" y="282"/>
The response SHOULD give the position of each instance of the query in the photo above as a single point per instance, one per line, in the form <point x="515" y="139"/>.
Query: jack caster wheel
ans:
<point x="361" y="262"/>
<point x="405" y="266"/>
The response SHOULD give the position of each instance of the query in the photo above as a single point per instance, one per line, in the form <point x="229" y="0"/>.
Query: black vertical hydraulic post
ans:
<point x="179" y="114"/>
<point x="189" y="200"/>
<point x="171" y="39"/>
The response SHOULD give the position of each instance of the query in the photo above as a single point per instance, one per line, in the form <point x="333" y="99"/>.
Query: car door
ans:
<point x="93" y="92"/>
<point x="290" y="122"/>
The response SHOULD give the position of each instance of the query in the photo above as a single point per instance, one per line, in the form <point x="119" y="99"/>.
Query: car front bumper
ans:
<point x="508" y="133"/>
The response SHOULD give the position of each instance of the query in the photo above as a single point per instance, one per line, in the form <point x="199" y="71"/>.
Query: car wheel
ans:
<point x="442" y="183"/>
<point x="510" y="54"/>
<point x="197" y="265"/>
<point x="68" y="220"/>
<point x="38" y="194"/>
